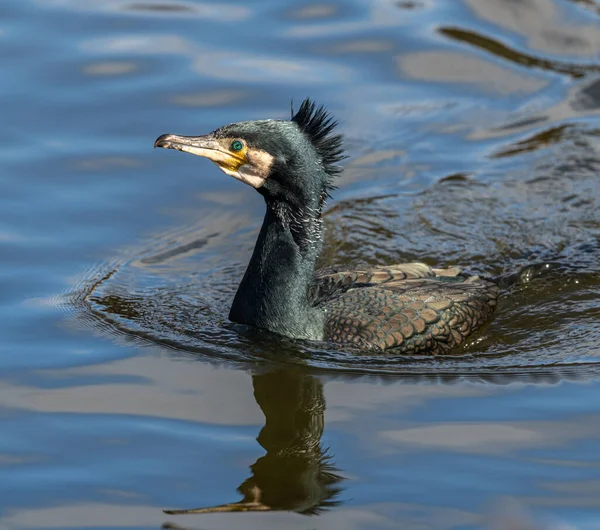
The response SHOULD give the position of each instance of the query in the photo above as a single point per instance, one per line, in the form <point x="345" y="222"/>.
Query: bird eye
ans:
<point x="237" y="145"/>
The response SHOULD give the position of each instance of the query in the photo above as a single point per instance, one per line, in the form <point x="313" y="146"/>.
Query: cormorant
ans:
<point x="411" y="308"/>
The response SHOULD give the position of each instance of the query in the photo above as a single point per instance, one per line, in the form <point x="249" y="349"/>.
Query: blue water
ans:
<point x="472" y="129"/>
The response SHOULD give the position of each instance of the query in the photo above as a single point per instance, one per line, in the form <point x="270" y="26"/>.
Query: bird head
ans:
<point x="286" y="161"/>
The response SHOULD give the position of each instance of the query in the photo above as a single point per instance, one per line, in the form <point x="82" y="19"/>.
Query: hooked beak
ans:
<point x="206" y="146"/>
<point x="236" y="164"/>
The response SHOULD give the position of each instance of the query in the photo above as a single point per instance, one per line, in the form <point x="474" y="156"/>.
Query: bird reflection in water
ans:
<point x="296" y="474"/>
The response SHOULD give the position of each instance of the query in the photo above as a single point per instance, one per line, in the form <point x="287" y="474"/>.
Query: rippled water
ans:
<point x="473" y="135"/>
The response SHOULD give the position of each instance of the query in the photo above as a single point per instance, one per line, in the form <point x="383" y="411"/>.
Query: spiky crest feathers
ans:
<point x="318" y="126"/>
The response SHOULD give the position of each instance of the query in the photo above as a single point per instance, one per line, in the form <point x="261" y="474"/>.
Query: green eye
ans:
<point x="236" y="145"/>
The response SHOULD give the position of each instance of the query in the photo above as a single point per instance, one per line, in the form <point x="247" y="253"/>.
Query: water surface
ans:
<point x="472" y="129"/>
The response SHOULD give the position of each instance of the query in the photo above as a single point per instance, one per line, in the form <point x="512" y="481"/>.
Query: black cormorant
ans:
<point x="411" y="308"/>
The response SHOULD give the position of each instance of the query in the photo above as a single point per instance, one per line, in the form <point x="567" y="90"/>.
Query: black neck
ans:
<point x="273" y="294"/>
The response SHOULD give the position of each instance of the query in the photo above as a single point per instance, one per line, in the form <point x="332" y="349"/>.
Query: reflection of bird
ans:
<point x="292" y="164"/>
<point x="296" y="473"/>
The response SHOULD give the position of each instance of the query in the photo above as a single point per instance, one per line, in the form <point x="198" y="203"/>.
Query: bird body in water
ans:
<point x="411" y="308"/>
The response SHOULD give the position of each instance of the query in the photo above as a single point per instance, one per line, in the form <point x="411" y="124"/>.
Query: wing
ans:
<point x="337" y="282"/>
<point x="412" y="315"/>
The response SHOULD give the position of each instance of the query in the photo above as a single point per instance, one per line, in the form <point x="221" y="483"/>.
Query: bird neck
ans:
<point x="273" y="294"/>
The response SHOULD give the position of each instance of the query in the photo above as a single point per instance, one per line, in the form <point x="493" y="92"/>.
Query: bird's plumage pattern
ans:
<point x="411" y="308"/>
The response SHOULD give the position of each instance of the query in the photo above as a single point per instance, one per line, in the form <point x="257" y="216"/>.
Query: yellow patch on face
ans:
<point x="237" y="157"/>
